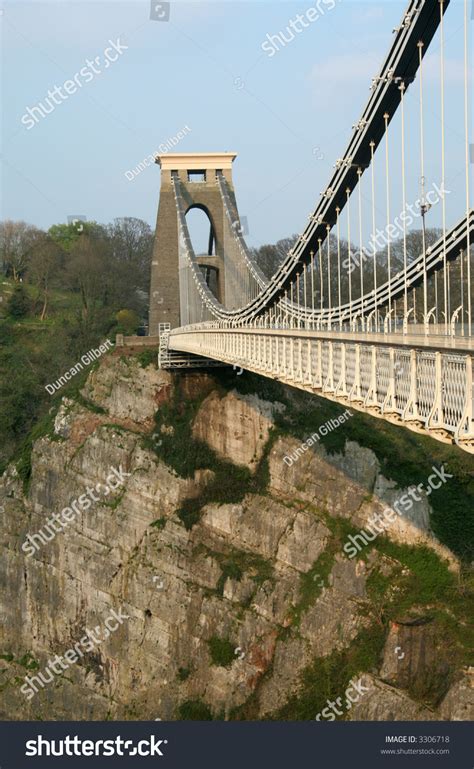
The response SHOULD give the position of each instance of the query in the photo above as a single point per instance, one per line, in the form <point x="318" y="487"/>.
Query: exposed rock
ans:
<point x="237" y="575"/>
<point x="291" y="656"/>
<point x="301" y="545"/>
<point x="384" y="703"/>
<point x="126" y="389"/>
<point x="336" y="617"/>
<point x="350" y="485"/>
<point x="414" y="659"/>
<point x="318" y="479"/>
<point x="458" y="705"/>
<point x="235" y="426"/>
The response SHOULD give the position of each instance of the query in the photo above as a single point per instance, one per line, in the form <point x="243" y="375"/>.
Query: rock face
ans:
<point x="265" y="576"/>
<point x="351" y="486"/>
<point x="236" y="427"/>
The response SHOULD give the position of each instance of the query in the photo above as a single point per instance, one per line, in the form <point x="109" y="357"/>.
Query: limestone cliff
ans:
<point x="240" y="599"/>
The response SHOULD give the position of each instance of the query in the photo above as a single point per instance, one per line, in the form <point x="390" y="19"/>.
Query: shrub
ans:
<point x="127" y="322"/>
<point x="19" y="303"/>
<point x="222" y="651"/>
<point x="148" y="358"/>
<point x="194" y="710"/>
<point x="183" y="673"/>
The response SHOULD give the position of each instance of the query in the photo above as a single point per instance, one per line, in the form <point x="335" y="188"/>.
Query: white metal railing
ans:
<point x="424" y="389"/>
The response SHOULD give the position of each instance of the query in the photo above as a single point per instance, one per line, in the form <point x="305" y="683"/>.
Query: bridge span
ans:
<point x="386" y="329"/>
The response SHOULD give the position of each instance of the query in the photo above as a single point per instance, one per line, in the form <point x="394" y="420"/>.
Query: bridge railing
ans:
<point x="424" y="389"/>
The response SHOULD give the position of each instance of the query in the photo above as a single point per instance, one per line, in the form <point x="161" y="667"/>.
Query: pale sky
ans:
<point x="287" y="116"/>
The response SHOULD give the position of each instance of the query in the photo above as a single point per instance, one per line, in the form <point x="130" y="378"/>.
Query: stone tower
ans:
<point x="197" y="174"/>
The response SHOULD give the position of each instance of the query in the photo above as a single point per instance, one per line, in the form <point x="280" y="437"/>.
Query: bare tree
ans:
<point x="43" y="267"/>
<point x="16" y="242"/>
<point x="87" y="271"/>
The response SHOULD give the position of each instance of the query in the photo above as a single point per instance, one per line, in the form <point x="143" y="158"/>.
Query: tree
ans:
<point x="127" y="322"/>
<point x="43" y="268"/>
<point x="87" y="272"/>
<point x="16" y="242"/>
<point x="67" y="235"/>
<point x="270" y="257"/>
<point x="131" y="246"/>
<point x="19" y="303"/>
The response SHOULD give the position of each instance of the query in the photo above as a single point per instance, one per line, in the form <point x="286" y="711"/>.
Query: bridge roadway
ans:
<point x="424" y="383"/>
<point x="434" y="342"/>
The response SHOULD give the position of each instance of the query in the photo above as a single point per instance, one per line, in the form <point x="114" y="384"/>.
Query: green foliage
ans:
<point x="184" y="673"/>
<point x="237" y="562"/>
<point x="312" y="583"/>
<point x="33" y="354"/>
<point x="159" y="524"/>
<point x="429" y="579"/>
<point x="230" y="570"/>
<point x="194" y="710"/>
<point x="19" y="304"/>
<point x="229" y="484"/>
<point x="44" y="426"/>
<point x="148" y="358"/>
<point x="222" y="651"/>
<point x="66" y="235"/>
<point x="127" y="322"/>
<point x="248" y="383"/>
<point x="28" y="662"/>
<point x="328" y="677"/>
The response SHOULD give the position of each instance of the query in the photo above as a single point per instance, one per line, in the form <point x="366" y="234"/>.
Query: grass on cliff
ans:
<point x="194" y="710"/>
<point x="328" y="677"/>
<point x="44" y="426"/>
<point x="235" y="563"/>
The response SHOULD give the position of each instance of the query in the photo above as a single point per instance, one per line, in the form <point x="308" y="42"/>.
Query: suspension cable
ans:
<point x="404" y="204"/>
<point x="348" y="194"/>
<point x="372" y="164"/>
<point x="361" y="254"/>
<point x="443" y="165"/>
<point x="329" y="276"/>
<point x="321" y="274"/>
<point x="423" y="203"/>
<point x="387" y="186"/>
<point x="338" y="211"/>
<point x="466" y="128"/>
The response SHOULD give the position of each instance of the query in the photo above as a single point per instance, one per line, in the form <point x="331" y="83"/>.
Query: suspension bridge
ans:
<point x="387" y="329"/>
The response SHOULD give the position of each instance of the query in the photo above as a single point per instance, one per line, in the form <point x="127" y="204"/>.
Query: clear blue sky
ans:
<point x="205" y="69"/>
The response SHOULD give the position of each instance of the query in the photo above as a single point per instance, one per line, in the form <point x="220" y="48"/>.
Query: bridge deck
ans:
<point x="437" y="343"/>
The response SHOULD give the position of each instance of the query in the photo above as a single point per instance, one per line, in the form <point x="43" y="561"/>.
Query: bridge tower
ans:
<point x="199" y="189"/>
